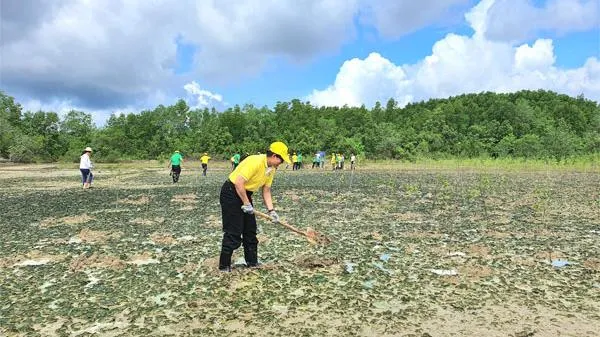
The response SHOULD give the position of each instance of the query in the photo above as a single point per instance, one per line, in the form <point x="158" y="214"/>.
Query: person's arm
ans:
<point x="266" y="192"/>
<point x="241" y="189"/>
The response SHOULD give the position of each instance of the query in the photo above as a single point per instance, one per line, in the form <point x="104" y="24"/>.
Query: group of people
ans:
<point x="338" y="160"/>
<point x="318" y="161"/>
<point x="337" y="163"/>
<point x="177" y="159"/>
<point x="296" y="161"/>
<point x="249" y="175"/>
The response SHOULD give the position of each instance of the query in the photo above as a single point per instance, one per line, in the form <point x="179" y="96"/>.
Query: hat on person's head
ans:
<point x="176" y="151"/>
<point x="206" y="153"/>
<point x="88" y="149"/>
<point x="280" y="149"/>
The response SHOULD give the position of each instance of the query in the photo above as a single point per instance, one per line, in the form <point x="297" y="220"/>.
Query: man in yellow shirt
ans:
<point x="239" y="222"/>
<point x="204" y="161"/>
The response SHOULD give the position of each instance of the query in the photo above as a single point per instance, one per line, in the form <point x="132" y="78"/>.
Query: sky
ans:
<point x="124" y="56"/>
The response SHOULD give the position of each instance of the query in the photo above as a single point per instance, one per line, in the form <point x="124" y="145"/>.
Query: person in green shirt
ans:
<point x="299" y="161"/>
<point x="175" y="164"/>
<point x="235" y="160"/>
<point x="315" y="162"/>
<point x="294" y="162"/>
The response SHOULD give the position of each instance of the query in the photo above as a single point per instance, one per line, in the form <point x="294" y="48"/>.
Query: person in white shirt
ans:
<point x="85" y="166"/>
<point x="353" y="162"/>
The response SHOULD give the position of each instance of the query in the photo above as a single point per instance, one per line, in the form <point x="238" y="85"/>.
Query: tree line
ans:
<point x="526" y="124"/>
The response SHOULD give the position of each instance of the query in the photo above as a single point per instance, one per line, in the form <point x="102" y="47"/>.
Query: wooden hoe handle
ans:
<point x="283" y="223"/>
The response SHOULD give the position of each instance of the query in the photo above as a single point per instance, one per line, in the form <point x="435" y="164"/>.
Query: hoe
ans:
<point x="310" y="234"/>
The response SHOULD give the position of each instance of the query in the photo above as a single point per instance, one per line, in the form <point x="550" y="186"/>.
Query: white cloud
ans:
<point x="106" y="55"/>
<point x="393" y="19"/>
<point x="460" y="64"/>
<point x="540" y="56"/>
<point x="203" y="98"/>
<point x="101" y="53"/>
<point x="374" y="78"/>
<point x="520" y="19"/>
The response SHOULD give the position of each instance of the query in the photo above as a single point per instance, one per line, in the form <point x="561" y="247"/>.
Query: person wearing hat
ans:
<point x="204" y="162"/>
<point x="237" y="211"/>
<point x="85" y="167"/>
<point x="175" y="163"/>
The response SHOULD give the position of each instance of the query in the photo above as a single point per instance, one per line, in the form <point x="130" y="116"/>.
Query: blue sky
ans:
<point x="129" y="55"/>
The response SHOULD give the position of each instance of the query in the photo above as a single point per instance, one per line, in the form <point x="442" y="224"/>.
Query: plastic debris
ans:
<point x="558" y="263"/>
<point x="382" y="268"/>
<point x="456" y="254"/>
<point x="92" y="279"/>
<point x="444" y="272"/>
<point x="298" y="293"/>
<point x="385" y="257"/>
<point x="349" y="266"/>
<point x="369" y="284"/>
<point x="161" y="299"/>
<point x="75" y="240"/>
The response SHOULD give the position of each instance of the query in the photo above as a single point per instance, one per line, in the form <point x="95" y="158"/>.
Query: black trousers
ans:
<point x="238" y="227"/>
<point x="175" y="172"/>
<point x="204" y="168"/>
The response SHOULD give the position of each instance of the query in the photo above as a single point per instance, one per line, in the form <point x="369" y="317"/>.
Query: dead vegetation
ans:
<point x="67" y="220"/>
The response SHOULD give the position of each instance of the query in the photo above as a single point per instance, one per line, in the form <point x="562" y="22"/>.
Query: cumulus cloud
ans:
<point x="115" y="54"/>
<point x="372" y="79"/>
<point x="109" y="54"/>
<point x="521" y="19"/>
<point x="460" y="64"/>
<point x="392" y="19"/>
<point x="96" y="54"/>
<point x="202" y="98"/>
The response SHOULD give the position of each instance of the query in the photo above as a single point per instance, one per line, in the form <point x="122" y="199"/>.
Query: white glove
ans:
<point x="274" y="216"/>
<point x="248" y="209"/>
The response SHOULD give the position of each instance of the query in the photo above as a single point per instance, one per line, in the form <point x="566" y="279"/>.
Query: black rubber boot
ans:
<point x="251" y="255"/>
<point x="225" y="262"/>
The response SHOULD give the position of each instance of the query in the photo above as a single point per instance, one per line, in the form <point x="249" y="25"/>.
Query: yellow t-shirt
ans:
<point x="256" y="172"/>
<point x="294" y="159"/>
<point x="204" y="159"/>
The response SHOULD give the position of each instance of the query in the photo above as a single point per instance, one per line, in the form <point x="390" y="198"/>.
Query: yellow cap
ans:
<point x="280" y="149"/>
